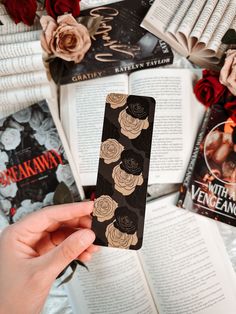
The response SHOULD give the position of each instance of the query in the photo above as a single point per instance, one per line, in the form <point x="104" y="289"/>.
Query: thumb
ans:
<point x="61" y="256"/>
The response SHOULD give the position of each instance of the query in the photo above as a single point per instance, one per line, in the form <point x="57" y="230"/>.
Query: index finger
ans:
<point x="41" y="220"/>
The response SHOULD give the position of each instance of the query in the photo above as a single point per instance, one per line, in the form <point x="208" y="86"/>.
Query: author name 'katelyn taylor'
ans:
<point x="121" y="69"/>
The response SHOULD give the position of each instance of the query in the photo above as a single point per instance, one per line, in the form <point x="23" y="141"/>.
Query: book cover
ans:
<point x="34" y="169"/>
<point x="209" y="187"/>
<point x="119" y="45"/>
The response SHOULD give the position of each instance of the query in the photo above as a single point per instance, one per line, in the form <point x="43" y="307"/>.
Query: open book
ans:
<point x="177" y="116"/>
<point x="193" y="28"/>
<point x="183" y="267"/>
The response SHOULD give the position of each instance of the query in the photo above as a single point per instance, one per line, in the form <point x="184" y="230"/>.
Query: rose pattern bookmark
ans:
<point x="119" y="207"/>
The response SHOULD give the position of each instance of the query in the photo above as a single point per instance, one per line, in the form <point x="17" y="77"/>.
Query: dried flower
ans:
<point x="228" y="71"/>
<point x="65" y="38"/>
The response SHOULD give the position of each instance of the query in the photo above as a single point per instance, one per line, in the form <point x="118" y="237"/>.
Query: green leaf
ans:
<point x="62" y="195"/>
<point x="229" y="37"/>
<point x="92" y="23"/>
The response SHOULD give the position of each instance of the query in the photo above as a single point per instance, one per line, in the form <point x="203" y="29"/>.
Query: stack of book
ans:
<point x="23" y="79"/>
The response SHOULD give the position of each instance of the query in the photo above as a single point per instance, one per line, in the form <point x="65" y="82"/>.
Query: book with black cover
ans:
<point x="119" y="45"/>
<point x="209" y="187"/>
<point x="34" y="167"/>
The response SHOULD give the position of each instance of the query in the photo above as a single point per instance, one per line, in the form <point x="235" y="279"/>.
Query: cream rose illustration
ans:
<point x="116" y="100"/>
<point x="125" y="183"/>
<point x="119" y="239"/>
<point x="104" y="208"/>
<point x="130" y="126"/>
<point x="65" y="38"/>
<point x="10" y="138"/>
<point x="111" y="150"/>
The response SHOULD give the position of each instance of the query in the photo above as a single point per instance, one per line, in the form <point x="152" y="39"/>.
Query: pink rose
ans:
<point x="65" y="38"/>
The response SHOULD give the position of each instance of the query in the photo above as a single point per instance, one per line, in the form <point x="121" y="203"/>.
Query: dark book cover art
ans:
<point x="209" y="187"/>
<point x="119" y="45"/>
<point x="34" y="170"/>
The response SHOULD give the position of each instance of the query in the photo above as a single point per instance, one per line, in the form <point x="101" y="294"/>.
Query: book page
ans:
<point x="188" y="22"/>
<point x="85" y="103"/>
<point x="158" y="19"/>
<point x="178" y="17"/>
<point x="23" y="80"/>
<point x="114" y="284"/>
<point x="21" y="65"/>
<point x="14" y="100"/>
<point x="8" y="26"/>
<point x="213" y="22"/>
<point x="185" y="262"/>
<point x="20" y="49"/>
<point x="20" y="37"/>
<point x="175" y="124"/>
<point x="203" y="19"/>
<point x="223" y="26"/>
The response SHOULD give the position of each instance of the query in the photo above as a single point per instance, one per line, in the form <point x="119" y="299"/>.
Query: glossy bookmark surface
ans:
<point x="119" y="208"/>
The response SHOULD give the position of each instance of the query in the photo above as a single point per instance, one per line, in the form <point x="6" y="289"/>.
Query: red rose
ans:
<point x="230" y="106"/>
<point x="56" y="8"/>
<point x="21" y="10"/>
<point x="209" y="90"/>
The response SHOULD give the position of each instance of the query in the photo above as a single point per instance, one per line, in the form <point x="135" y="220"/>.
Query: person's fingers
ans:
<point x="85" y="257"/>
<point x="29" y="229"/>
<point x="93" y="249"/>
<point x="226" y="69"/>
<point x="82" y="222"/>
<point x="60" y="257"/>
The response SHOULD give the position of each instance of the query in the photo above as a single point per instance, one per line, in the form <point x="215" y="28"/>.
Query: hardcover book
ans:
<point x="209" y="187"/>
<point x="34" y="167"/>
<point x="119" y="45"/>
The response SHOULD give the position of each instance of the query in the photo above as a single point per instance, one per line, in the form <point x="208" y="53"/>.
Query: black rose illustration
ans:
<point x="131" y="162"/>
<point x="138" y="107"/>
<point x="126" y="220"/>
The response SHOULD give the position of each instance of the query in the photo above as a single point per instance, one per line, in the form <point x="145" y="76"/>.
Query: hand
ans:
<point x="35" y="250"/>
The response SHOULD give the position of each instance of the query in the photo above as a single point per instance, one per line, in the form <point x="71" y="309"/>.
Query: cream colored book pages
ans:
<point x="85" y="102"/>
<point x="23" y="80"/>
<point x="185" y="262"/>
<point x="8" y="26"/>
<point x="14" y="100"/>
<point x="20" y="37"/>
<point x="159" y="17"/>
<point x="21" y="65"/>
<point x="223" y="26"/>
<point x="115" y="283"/>
<point x="178" y="17"/>
<point x="173" y="133"/>
<point x="20" y="49"/>
<point x="52" y="102"/>
<point x="188" y="23"/>
<point x="213" y="22"/>
<point x="203" y="19"/>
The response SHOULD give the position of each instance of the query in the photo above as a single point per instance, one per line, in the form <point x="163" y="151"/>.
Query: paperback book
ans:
<point x="34" y="167"/>
<point x="209" y="187"/>
<point x="119" y="45"/>
<point x="193" y="28"/>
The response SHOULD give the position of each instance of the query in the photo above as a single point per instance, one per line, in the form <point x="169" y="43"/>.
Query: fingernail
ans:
<point x="86" y="237"/>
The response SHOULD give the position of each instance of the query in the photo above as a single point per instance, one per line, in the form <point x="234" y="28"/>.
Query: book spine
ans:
<point x="189" y="172"/>
<point x="129" y="68"/>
